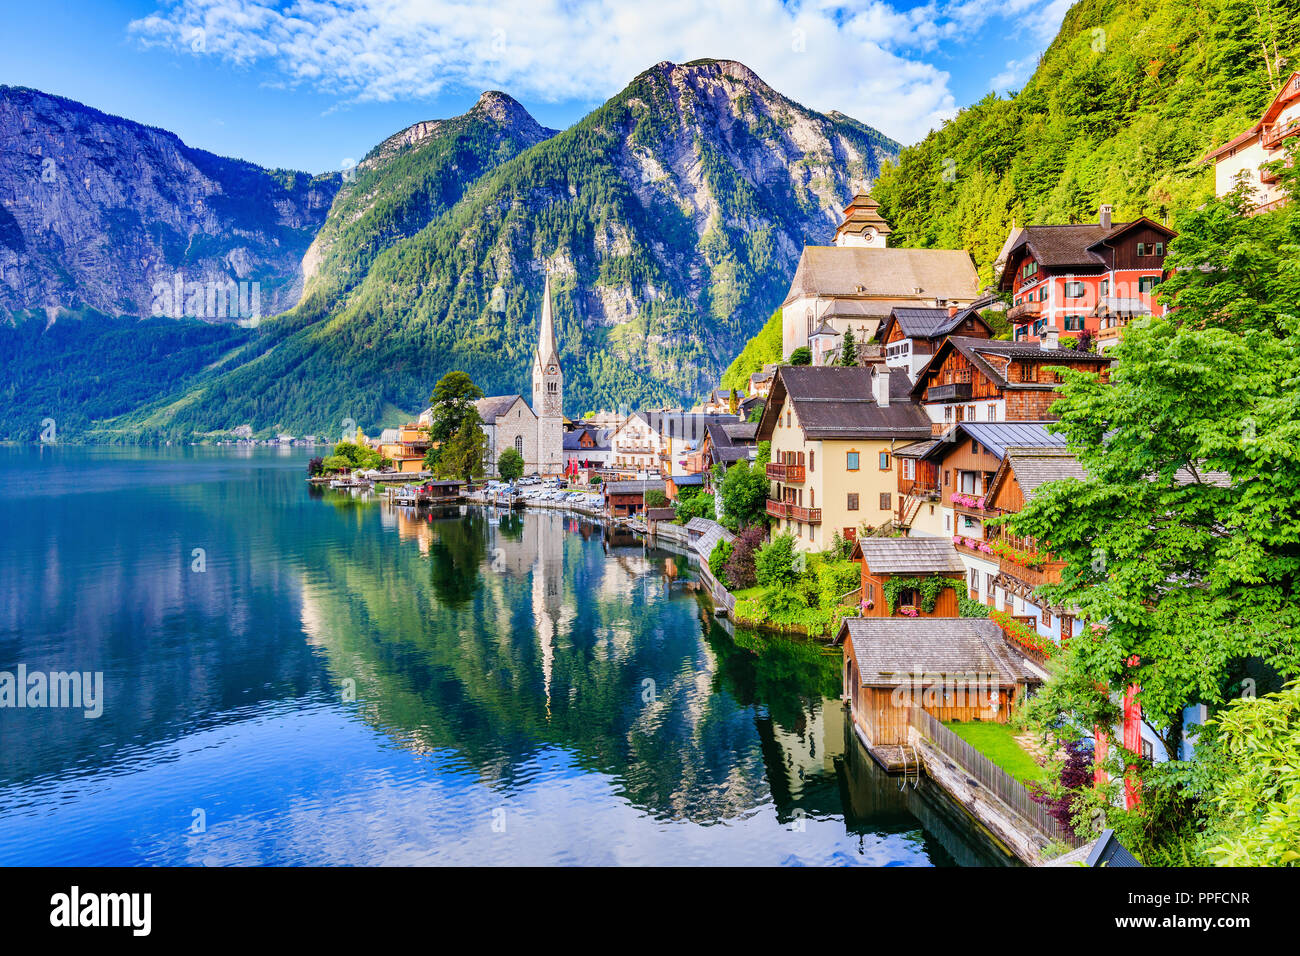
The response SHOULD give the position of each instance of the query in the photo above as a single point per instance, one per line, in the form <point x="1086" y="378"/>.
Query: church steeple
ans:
<point x="547" y="354"/>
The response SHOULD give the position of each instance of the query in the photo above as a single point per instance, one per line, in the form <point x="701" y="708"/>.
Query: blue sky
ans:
<point x="312" y="84"/>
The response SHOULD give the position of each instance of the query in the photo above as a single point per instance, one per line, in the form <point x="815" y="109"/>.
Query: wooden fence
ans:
<point x="1000" y="783"/>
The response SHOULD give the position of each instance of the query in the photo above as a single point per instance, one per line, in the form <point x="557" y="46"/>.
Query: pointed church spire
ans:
<point x="547" y="354"/>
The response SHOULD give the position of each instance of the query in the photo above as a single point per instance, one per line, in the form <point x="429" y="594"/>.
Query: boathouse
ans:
<point x="957" y="668"/>
<point x="624" y="499"/>
<point x="903" y="577"/>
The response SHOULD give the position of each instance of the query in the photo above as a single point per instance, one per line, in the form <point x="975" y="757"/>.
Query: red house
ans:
<point x="1094" y="277"/>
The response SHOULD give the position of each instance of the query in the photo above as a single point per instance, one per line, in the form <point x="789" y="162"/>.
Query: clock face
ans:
<point x="869" y="233"/>
<point x="552" y="370"/>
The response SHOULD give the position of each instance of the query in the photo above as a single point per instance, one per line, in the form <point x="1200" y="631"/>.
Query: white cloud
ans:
<point x="862" y="59"/>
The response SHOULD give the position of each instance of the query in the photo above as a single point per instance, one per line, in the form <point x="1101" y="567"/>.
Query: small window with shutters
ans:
<point x="852" y="503"/>
<point x="884" y="501"/>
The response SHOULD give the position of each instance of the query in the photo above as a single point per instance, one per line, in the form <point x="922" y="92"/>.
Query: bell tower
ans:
<point x="548" y="393"/>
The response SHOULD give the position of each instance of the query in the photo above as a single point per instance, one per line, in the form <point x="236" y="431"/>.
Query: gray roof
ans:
<point x="700" y="525"/>
<point x="573" y="439"/>
<point x="1034" y="467"/>
<point x="1121" y="306"/>
<point x="632" y="487"/>
<point x="932" y="323"/>
<point x="833" y="401"/>
<point x="898" y="650"/>
<point x="677" y="424"/>
<point x="493" y="405"/>
<point x="884" y="272"/>
<point x="983" y="354"/>
<point x="715" y="532"/>
<point x="732" y="441"/>
<point x="910" y="555"/>
<point x="998" y="436"/>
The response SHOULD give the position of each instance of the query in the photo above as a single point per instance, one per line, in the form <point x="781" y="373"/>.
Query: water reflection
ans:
<point x="353" y="682"/>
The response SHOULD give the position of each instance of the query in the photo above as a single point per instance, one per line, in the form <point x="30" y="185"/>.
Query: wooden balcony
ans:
<point x="1274" y="135"/>
<point x="807" y="515"/>
<point x="778" y="509"/>
<point x="1048" y="573"/>
<point x="1024" y="311"/>
<point x="955" y="392"/>
<point x="790" y="474"/>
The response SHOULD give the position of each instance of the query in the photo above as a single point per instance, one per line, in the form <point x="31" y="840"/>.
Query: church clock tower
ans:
<point x="548" y="393"/>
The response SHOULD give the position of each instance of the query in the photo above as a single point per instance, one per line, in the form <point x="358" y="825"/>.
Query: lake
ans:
<point x="296" y="676"/>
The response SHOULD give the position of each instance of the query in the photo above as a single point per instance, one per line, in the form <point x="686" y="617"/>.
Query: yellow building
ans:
<point x="833" y="432"/>
<point x="405" y="446"/>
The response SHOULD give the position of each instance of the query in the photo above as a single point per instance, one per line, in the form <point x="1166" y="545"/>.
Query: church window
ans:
<point x="519" y="444"/>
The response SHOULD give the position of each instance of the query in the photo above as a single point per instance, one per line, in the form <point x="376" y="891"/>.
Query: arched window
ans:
<point x="519" y="444"/>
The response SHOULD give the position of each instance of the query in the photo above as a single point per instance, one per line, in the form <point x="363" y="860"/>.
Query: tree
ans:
<point x="849" y="350"/>
<point x="740" y="565"/>
<point x="801" y="356"/>
<point x="452" y="403"/>
<point x="744" y="495"/>
<point x="510" y="465"/>
<point x="654" y="498"/>
<point x="694" y="503"/>
<point x="462" y="456"/>
<point x="1185" y="536"/>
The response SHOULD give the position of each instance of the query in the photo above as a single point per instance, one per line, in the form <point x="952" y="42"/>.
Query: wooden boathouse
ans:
<point x="957" y="668"/>
<point x="898" y="573"/>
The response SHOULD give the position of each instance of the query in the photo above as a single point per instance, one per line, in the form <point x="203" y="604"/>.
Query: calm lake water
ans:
<point x="333" y="681"/>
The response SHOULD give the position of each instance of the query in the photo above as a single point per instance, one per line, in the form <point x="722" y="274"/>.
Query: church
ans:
<point x="536" y="432"/>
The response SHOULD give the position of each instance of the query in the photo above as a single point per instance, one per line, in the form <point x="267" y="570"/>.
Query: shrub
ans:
<point x="315" y="467"/>
<point x="740" y="566"/>
<point x="774" y="562"/>
<point x="654" y="498"/>
<point x="718" y="561"/>
<point x="698" y="504"/>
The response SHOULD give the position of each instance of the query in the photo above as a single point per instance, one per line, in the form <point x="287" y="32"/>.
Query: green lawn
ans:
<point x="996" y="741"/>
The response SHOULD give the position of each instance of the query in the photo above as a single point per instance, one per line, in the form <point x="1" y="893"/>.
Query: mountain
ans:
<point x="671" y="219"/>
<point x="95" y="210"/>
<point x="1122" y="106"/>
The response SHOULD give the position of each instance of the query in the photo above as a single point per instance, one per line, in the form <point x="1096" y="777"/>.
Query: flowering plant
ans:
<point x="908" y="611"/>
<point x="1028" y="559"/>
<point x="1021" y="634"/>
<point x="968" y="501"/>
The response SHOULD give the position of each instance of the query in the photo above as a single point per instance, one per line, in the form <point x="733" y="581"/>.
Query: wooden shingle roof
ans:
<point x="898" y="650"/>
<point x="909" y="555"/>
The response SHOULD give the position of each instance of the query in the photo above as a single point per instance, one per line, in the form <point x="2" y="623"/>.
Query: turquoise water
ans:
<point x="296" y="676"/>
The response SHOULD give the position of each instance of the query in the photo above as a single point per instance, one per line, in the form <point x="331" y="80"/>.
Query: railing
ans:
<point x="1024" y="309"/>
<point x="1048" y="573"/>
<point x="779" y="471"/>
<point x="956" y="392"/>
<point x="1278" y="132"/>
<point x="810" y="515"/>
<point x="778" y="509"/>
<point x="992" y="777"/>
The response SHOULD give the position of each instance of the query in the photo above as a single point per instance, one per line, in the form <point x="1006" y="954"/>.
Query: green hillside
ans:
<point x="1125" y="102"/>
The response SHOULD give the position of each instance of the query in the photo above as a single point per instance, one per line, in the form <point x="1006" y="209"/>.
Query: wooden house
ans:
<point x="1083" y="278"/>
<point x="911" y="336"/>
<point x="624" y="499"/>
<point x="896" y="567"/>
<point x="958" y="668"/>
<point x="990" y="380"/>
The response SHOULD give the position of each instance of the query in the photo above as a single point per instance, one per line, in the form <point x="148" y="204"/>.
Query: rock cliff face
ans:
<point x="97" y="211"/>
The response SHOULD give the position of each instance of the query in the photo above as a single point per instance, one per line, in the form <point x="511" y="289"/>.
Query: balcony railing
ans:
<point x="956" y="392"/>
<point x="1278" y="132"/>
<point x="1023" y="311"/>
<point x="809" y="515"/>
<point x="778" y="471"/>
<point x="778" y="509"/>
<point x="1049" y="572"/>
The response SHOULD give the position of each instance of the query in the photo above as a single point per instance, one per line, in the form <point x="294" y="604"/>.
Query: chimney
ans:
<point x="1047" y="340"/>
<point x="880" y="385"/>
<point x="952" y="311"/>
<point x="1103" y="215"/>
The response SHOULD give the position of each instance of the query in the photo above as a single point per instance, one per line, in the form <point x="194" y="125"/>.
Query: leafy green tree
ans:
<point x="452" y="404"/>
<point x="744" y="495"/>
<point x="654" y="498"/>
<point x="462" y="456"/>
<point x="510" y="465"/>
<point x="694" y="503"/>
<point x="800" y="356"/>
<point x="849" y="349"/>
<point x="718" y="559"/>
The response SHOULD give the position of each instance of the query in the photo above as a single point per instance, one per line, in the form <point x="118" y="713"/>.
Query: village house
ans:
<point x="659" y="443"/>
<point x="625" y="499"/>
<point x="1092" y="277"/>
<point x="726" y="443"/>
<point x="856" y="282"/>
<point x="897" y="573"/>
<point x="720" y="401"/>
<point x="760" y="383"/>
<point x="954" y="668"/>
<point x="911" y="336"/>
<point x="405" y="447"/>
<point x="833" y="432"/>
<point x="1245" y="154"/>
<point x="586" y="449"/>
<point x="957" y="474"/>
<point x="973" y="379"/>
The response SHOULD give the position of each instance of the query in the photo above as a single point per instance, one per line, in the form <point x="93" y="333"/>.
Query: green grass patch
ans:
<point x="998" y="743"/>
